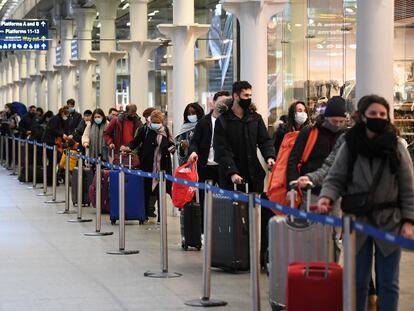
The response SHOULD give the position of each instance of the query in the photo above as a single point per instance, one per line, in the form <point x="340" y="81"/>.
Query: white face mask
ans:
<point x="192" y="118"/>
<point x="98" y="120"/>
<point x="301" y="117"/>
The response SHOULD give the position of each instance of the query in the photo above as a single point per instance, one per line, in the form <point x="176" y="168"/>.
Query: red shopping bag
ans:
<point x="182" y="194"/>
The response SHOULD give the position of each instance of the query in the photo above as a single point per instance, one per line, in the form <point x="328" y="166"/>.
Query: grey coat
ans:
<point x="391" y="188"/>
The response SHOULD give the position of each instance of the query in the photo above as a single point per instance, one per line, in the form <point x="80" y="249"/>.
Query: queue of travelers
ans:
<point x="349" y="156"/>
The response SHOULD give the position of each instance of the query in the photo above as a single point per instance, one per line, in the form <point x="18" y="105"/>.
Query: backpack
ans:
<point x="277" y="187"/>
<point x="19" y="108"/>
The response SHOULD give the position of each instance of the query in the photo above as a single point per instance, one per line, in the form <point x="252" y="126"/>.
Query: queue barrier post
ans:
<point x="163" y="233"/>
<point x="44" y="164"/>
<point x="67" y="185"/>
<point x="54" y="178"/>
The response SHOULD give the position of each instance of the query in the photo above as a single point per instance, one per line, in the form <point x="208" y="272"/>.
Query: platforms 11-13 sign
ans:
<point x="24" y="35"/>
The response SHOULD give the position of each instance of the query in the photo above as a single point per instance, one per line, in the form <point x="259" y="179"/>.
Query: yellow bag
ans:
<point x="73" y="161"/>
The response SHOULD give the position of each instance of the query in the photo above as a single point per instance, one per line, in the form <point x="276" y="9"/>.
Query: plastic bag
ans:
<point x="182" y="194"/>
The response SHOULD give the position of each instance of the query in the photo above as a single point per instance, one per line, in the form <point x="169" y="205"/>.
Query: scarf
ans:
<point x="186" y="128"/>
<point x="382" y="146"/>
<point x="156" y="166"/>
<point x="96" y="140"/>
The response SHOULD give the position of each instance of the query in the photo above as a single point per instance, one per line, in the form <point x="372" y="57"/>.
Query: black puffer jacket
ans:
<point x="321" y="150"/>
<point x="53" y="130"/>
<point x="235" y="145"/>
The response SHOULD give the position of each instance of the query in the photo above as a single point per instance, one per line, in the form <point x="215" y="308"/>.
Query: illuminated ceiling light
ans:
<point x="349" y="10"/>
<point x="311" y="21"/>
<point x="352" y="46"/>
<point x="298" y="25"/>
<point x="126" y="5"/>
<point x="128" y="24"/>
<point x="99" y="25"/>
<point x="153" y="13"/>
<point x="319" y="46"/>
<point x="97" y="13"/>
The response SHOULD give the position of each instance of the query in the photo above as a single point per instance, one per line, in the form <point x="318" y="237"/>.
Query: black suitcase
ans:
<point x="190" y="221"/>
<point x="39" y="174"/>
<point x="87" y="178"/>
<point x="230" y="235"/>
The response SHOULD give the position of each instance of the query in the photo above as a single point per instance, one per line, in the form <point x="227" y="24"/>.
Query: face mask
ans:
<point x="155" y="126"/>
<point x="129" y="117"/>
<point x="72" y="109"/>
<point x="301" y="117"/>
<point x="376" y="125"/>
<point x="192" y="118"/>
<point x="245" y="103"/>
<point x="98" y="120"/>
<point x="331" y="127"/>
<point x="65" y="118"/>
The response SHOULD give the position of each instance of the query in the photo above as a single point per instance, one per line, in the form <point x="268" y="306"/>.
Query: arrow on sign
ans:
<point x="43" y="24"/>
<point x="43" y="46"/>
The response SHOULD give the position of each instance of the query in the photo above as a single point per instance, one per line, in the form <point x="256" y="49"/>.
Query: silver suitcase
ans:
<point x="293" y="240"/>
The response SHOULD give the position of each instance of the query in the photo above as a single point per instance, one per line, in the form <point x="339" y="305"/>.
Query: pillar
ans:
<point x="21" y="57"/>
<point x="253" y="16"/>
<point x="15" y="77"/>
<point x="66" y="69"/>
<point x="85" y="63"/>
<point x="40" y="81"/>
<point x="31" y="71"/>
<point x="375" y="48"/>
<point x="183" y="32"/>
<point x="107" y="55"/>
<point x="139" y="49"/>
<point x="9" y="79"/>
<point x="52" y="75"/>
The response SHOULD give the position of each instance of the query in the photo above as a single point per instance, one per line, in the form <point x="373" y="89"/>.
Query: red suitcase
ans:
<point x="104" y="192"/>
<point x="314" y="286"/>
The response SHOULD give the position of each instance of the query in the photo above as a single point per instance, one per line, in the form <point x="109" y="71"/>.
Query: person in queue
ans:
<point x="193" y="112"/>
<point x="374" y="167"/>
<point x="93" y="136"/>
<point x="121" y="130"/>
<point x="156" y="147"/>
<point x="297" y="118"/>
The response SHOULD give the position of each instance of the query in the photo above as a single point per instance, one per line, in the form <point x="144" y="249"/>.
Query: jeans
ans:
<point x="388" y="271"/>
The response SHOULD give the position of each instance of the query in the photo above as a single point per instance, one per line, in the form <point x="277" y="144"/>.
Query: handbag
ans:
<point x="360" y="204"/>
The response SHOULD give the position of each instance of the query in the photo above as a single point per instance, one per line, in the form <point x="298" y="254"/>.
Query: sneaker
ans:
<point x="152" y="214"/>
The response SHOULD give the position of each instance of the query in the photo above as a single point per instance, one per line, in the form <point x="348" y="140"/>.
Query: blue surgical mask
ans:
<point x="155" y="126"/>
<point x="192" y="118"/>
<point x="71" y="109"/>
<point x="98" y="120"/>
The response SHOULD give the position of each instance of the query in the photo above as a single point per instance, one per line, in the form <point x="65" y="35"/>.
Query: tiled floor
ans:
<point x="48" y="264"/>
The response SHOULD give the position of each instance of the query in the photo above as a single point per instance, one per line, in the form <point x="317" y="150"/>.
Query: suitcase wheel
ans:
<point x="113" y="222"/>
<point x="199" y="248"/>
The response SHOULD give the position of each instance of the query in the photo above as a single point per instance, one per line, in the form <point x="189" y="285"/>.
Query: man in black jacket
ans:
<point x="27" y="122"/>
<point x="238" y="133"/>
<point x="74" y="118"/>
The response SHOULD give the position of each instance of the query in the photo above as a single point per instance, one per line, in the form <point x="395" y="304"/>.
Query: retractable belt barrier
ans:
<point x="254" y="201"/>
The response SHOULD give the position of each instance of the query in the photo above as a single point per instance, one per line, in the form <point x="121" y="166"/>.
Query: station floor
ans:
<point x="47" y="263"/>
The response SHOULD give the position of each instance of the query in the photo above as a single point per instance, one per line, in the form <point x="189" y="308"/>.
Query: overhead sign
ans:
<point x="24" y="35"/>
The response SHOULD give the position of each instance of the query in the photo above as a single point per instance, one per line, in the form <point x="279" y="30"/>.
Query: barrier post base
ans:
<point x="162" y="274"/>
<point x="205" y="302"/>
<point x="123" y="252"/>
<point x="32" y="188"/>
<point x="98" y="233"/>
<point x="44" y="194"/>
<point x="54" y="202"/>
<point x="67" y="212"/>
<point x="80" y="220"/>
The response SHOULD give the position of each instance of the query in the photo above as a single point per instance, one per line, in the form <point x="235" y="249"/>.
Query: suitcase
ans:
<point x="39" y="174"/>
<point x="230" y="235"/>
<point x="105" y="208"/>
<point x="190" y="221"/>
<point x="314" y="285"/>
<point x="87" y="178"/>
<point x="287" y="237"/>
<point x="134" y="197"/>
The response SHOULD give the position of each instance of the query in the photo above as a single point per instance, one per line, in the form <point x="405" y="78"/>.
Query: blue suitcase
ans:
<point x="134" y="197"/>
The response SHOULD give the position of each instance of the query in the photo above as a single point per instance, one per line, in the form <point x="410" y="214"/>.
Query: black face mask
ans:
<point x="331" y="127"/>
<point x="130" y="117"/>
<point x="376" y="125"/>
<point x="245" y="103"/>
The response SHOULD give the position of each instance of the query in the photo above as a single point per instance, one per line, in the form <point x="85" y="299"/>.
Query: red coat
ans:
<point x="113" y="132"/>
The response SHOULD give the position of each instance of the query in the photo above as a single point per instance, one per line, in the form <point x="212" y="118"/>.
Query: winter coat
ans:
<point x="86" y="139"/>
<point x="320" y="151"/>
<point x="278" y="137"/>
<point x="72" y="123"/>
<point x="26" y="124"/>
<point x="201" y="140"/>
<point x="317" y="177"/>
<point x="235" y="148"/>
<point x="54" y="129"/>
<point x="391" y="188"/>
<point x="114" y="131"/>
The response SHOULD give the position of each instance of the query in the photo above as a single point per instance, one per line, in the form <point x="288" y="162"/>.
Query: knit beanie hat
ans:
<point x="147" y="112"/>
<point x="335" y="107"/>
<point x="157" y="116"/>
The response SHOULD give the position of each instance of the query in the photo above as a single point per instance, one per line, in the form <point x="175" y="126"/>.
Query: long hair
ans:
<point x="290" y="126"/>
<point x="198" y="109"/>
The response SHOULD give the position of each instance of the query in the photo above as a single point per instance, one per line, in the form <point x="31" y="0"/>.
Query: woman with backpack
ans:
<point x="297" y="118"/>
<point x="373" y="172"/>
<point x="93" y="136"/>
